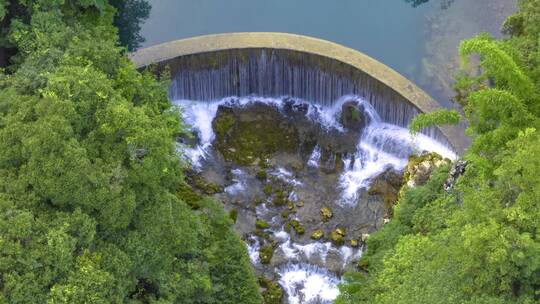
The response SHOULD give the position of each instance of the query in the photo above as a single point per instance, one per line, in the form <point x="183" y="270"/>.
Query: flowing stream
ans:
<point x="308" y="270"/>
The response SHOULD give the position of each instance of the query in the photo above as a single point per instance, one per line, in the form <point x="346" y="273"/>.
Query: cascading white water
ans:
<point x="379" y="146"/>
<point x="276" y="72"/>
<point x="306" y="283"/>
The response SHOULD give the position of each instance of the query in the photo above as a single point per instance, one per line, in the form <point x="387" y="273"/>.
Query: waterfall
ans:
<point x="305" y="276"/>
<point x="279" y="73"/>
<point x="239" y="78"/>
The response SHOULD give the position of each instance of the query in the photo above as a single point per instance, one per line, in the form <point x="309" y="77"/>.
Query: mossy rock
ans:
<point x="241" y="140"/>
<point x="317" y="234"/>
<point x="261" y="175"/>
<point x="233" y="215"/>
<point x="199" y="183"/>
<point x="280" y="199"/>
<point x="420" y="168"/>
<point x="223" y="122"/>
<point x="285" y="213"/>
<point x="352" y="116"/>
<point x="295" y="224"/>
<point x="272" y="293"/>
<point x="338" y="236"/>
<point x="262" y="234"/>
<point x="268" y="189"/>
<point x="326" y="214"/>
<point x="353" y="243"/>
<point x="266" y="253"/>
<point x="260" y="224"/>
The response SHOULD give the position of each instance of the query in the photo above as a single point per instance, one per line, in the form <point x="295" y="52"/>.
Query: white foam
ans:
<point x="253" y="247"/>
<point x="382" y="145"/>
<point x="315" y="157"/>
<point x="286" y="176"/>
<point x="199" y="116"/>
<point x="306" y="283"/>
<point x="239" y="182"/>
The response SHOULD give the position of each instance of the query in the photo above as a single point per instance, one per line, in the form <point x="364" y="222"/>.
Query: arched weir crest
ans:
<point x="278" y="64"/>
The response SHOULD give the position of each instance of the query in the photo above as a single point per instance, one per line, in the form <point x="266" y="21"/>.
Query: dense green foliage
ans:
<point x="129" y="16"/>
<point x="435" y="118"/>
<point x="479" y="241"/>
<point x="93" y="206"/>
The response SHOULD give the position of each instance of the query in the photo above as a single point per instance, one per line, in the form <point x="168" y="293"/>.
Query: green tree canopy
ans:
<point x="477" y="242"/>
<point x="93" y="204"/>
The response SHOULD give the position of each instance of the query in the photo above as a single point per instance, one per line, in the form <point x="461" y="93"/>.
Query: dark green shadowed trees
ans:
<point x="90" y="208"/>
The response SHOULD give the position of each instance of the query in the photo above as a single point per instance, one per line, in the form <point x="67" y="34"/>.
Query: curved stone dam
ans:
<point x="305" y="143"/>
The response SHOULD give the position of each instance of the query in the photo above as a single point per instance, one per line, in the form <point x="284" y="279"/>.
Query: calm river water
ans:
<point x="420" y="43"/>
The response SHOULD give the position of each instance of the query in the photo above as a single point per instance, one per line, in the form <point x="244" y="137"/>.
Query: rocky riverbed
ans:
<point x="305" y="185"/>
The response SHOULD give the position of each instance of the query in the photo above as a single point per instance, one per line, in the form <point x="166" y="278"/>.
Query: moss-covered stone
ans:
<point x="268" y="189"/>
<point x="317" y="234"/>
<point x="223" y="122"/>
<point x="326" y="214"/>
<point x="290" y="206"/>
<point x="298" y="228"/>
<point x="353" y="243"/>
<point x="200" y="184"/>
<point x="262" y="234"/>
<point x="287" y="227"/>
<point x="280" y="199"/>
<point x="285" y="213"/>
<point x="272" y="293"/>
<point x="266" y="253"/>
<point x="260" y="224"/>
<point x="387" y="186"/>
<point x="233" y="214"/>
<point x="338" y="236"/>
<point x="420" y="168"/>
<point x="352" y="116"/>
<point x="242" y="139"/>
<point x="261" y="175"/>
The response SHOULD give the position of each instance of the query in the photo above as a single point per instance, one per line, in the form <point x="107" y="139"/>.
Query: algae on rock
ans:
<point x="247" y="134"/>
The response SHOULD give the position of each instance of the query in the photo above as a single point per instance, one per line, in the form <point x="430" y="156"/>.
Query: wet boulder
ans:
<point x="331" y="162"/>
<point x="317" y="234"/>
<point x="338" y="236"/>
<point x="245" y="135"/>
<point x="387" y="185"/>
<point x="272" y="293"/>
<point x="266" y="253"/>
<point x="334" y="261"/>
<point x="420" y="168"/>
<point x="294" y="224"/>
<point x="353" y="116"/>
<point x="457" y="170"/>
<point x="326" y="214"/>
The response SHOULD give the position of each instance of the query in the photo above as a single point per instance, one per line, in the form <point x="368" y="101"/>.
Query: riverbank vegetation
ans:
<point x="478" y="240"/>
<point x="93" y="203"/>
